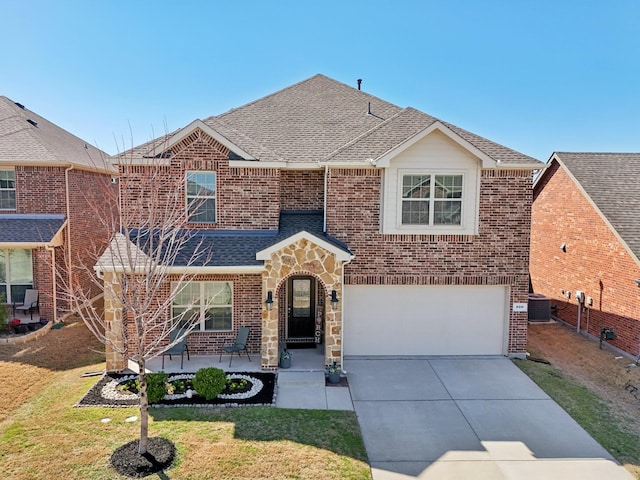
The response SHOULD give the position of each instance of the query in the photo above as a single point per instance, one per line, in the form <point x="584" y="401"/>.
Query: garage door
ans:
<point x="425" y="320"/>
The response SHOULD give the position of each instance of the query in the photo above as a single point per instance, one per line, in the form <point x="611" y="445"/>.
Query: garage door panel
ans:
<point x="424" y="320"/>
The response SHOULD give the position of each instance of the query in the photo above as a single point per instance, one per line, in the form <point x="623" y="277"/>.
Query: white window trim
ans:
<point x="191" y="198"/>
<point x="15" y="199"/>
<point x="203" y="306"/>
<point x="7" y="271"/>
<point x="432" y="200"/>
<point x="392" y="203"/>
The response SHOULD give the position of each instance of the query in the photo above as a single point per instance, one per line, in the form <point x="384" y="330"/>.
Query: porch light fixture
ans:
<point x="638" y="282"/>
<point x="334" y="299"/>
<point x="269" y="301"/>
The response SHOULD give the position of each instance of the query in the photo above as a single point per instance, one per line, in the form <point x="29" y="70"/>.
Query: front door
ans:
<point x="301" y="308"/>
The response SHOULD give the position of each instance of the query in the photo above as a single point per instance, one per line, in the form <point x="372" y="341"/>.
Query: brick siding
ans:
<point x="302" y="190"/>
<point x="594" y="262"/>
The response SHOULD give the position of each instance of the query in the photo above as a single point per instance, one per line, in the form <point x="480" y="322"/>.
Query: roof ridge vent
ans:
<point x="20" y="105"/>
<point x="32" y="122"/>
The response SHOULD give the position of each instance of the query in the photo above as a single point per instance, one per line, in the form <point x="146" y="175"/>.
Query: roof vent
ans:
<point x="20" y="105"/>
<point x="359" y="83"/>
<point x="35" y="124"/>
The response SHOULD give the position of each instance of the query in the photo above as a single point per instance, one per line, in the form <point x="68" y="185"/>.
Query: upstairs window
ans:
<point x="7" y="190"/>
<point x="201" y="196"/>
<point x="430" y="199"/>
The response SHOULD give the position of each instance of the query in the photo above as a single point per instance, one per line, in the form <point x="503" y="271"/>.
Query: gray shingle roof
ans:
<point x="321" y="119"/>
<point x="239" y="247"/>
<point x="29" y="228"/>
<point x="612" y="181"/>
<point x="28" y="138"/>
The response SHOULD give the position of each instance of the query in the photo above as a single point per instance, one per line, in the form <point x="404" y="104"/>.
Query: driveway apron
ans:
<point x="459" y="417"/>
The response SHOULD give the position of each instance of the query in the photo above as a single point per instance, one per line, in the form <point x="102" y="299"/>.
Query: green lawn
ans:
<point x="595" y="415"/>
<point x="48" y="438"/>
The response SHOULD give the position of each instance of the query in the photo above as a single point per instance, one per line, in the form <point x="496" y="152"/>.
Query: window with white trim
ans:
<point x="431" y="199"/>
<point x="16" y="274"/>
<point x="209" y="304"/>
<point x="201" y="196"/>
<point x="7" y="190"/>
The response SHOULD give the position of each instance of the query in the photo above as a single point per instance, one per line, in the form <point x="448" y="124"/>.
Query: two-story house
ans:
<point x="52" y="188"/>
<point x="338" y="217"/>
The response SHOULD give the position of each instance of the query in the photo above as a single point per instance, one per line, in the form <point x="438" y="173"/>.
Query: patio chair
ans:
<point x="30" y="302"/>
<point x="239" y="344"/>
<point x="178" y="348"/>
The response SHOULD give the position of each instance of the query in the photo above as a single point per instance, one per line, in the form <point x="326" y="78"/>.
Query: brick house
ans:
<point x="338" y="217"/>
<point x="585" y="224"/>
<point x="49" y="182"/>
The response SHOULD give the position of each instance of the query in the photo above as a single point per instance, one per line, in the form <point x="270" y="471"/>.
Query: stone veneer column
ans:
<point x="116" y="361"/>
<point x="302" y="258"/>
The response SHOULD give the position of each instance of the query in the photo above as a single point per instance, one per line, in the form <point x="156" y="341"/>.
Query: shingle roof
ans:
<point x="239" y="247"/>
<point x="29" y="228"/>
<point x="28" y="138"/>
<point x="323" y="120"/>
<point x="612" y="181"/>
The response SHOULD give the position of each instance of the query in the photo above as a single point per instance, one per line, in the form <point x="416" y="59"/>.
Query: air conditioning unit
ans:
<point x="539" y="308"/>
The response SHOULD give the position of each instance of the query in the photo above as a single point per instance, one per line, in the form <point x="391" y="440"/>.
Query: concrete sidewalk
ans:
<point x="460" y="418"/>
<point x="307" y="390"/>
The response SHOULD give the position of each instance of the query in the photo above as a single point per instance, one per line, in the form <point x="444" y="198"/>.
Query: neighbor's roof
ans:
<point x="323" y="120"/>
<point x="612" y="182"/>
<point x="29" y="229"/>
<point x="26" y="138"/>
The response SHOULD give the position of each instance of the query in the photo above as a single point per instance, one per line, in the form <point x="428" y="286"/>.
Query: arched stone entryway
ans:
<point x="302" y="254"/>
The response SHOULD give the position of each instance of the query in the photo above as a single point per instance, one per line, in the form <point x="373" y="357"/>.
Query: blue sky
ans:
<point x="537" y="76"/>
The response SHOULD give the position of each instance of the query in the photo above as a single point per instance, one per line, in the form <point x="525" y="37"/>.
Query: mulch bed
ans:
<point x="265" y="397"/>
<point x="127" y="461"/>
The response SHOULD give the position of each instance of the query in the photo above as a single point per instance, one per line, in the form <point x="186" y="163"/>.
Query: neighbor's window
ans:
<point x="209" y="304"/>
<point x="201" y="197"/>
<point x="430" y="199"/>
<point x="7" y="190"/>
<point x="16" y="274"/>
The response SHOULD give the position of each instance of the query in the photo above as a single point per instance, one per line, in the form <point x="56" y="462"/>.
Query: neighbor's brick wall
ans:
<point x="498" y="255"/>
<point x="40" y="190"/>
<point x="595" y="261"/>
<point x="302" y="190"/>
<point x="245" y="196"/>
<point x="247" y="311"/>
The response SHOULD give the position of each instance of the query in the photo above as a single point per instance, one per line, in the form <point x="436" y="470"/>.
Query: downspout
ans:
<point x="54" y="284"/>
<point x="324" y="206"/>
<point x="66" y="181"/>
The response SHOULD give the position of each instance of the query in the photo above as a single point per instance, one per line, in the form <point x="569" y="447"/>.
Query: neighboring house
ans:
<point x="50" y="182"/>
<point x="586" y="238"/>
<point x="393" y="232"/>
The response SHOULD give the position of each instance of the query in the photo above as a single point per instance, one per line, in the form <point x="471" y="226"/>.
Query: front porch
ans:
<point x="302" y="360"/>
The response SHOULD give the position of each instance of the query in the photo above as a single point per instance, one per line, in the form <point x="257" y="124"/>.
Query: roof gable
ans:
<point x="340" y="253"/>
<point x="611" y="183"/>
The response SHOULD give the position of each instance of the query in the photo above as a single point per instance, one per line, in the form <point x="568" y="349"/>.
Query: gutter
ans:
<point x="68" y="262"/>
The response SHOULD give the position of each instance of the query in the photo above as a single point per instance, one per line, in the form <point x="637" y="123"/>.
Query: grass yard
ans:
<point x="44" y="436"/>
<point x="590" y="411"/>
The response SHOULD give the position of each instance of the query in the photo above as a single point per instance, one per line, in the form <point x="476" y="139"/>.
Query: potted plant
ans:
<point x="285" y="359"/>
<point x="333" y="373"/>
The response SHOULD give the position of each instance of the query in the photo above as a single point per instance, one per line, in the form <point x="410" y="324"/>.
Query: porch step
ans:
<point x="300" y="379"/>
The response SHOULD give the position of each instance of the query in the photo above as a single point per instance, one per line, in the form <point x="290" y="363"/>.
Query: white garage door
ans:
<point x="425" y="320"/>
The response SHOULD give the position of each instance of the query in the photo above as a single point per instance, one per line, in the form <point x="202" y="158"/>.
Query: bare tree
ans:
<point x="146" y="265"/>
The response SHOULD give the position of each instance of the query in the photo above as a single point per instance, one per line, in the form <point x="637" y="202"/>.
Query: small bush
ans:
<point x="209" y="382"/>
<point x="156" y="386"/>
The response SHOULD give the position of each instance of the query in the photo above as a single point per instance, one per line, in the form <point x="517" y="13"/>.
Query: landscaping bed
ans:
<point x="259" y="389"/>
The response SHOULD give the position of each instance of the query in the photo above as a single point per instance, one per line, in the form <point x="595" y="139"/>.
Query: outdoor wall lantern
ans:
<point x="638" y="282"/>
<point x="269" y="301"/>
<point x="334" y="299"/>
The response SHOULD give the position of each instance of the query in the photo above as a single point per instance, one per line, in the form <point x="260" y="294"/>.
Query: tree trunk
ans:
<point x="144" y="408"/>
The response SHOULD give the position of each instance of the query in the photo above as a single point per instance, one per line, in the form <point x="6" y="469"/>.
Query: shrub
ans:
<point x="209" y="382"/>
<point x="156" y="386"/>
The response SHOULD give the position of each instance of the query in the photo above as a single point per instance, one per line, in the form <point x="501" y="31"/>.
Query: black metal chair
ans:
<point x="178" y="348"/>
<point x="29" y="304"/>
<point x="239" y="344"/>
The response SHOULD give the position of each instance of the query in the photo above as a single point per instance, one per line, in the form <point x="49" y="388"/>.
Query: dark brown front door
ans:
<point x="301" y="308"/>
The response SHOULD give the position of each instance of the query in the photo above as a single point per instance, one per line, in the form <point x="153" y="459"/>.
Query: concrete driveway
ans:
<point x="459" y="418"/>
